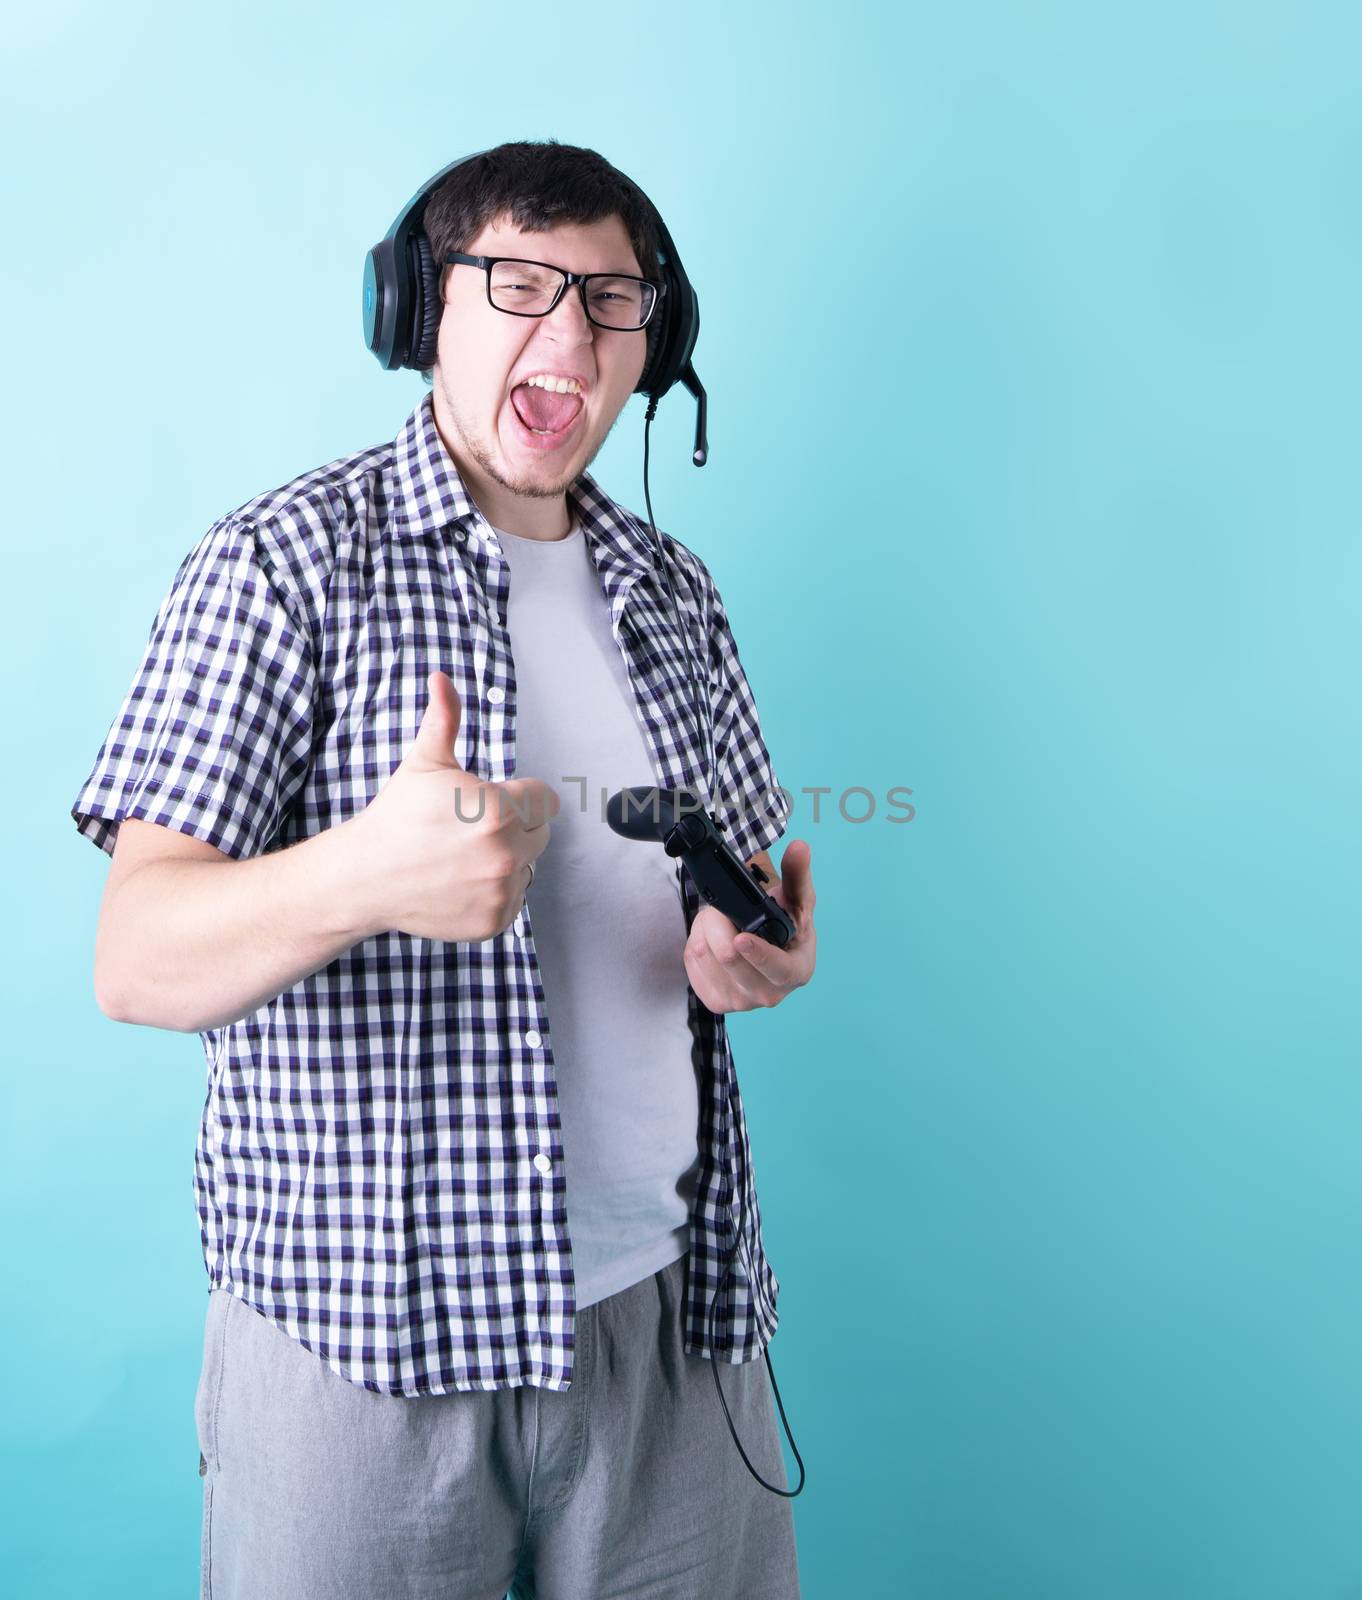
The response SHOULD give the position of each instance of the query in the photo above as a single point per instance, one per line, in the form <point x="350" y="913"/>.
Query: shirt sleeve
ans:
<point x="214" y="736"/>
<point x="750" y="801"/>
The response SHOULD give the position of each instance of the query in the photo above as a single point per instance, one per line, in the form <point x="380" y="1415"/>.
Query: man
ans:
<point x="459" y="1331"/>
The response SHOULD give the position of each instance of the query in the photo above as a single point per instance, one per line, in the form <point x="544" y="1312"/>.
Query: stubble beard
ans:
<point x="533" y="485"/>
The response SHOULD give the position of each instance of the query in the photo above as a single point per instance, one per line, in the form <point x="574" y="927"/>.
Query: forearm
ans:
<point x="191" y="945"/>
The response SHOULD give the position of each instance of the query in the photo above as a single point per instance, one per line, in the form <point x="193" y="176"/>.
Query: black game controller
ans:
<point x="678" y="818"/>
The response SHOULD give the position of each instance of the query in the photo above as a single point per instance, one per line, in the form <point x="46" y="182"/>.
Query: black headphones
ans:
<point x="402" y="306"/>
<point x="401" y="324"/>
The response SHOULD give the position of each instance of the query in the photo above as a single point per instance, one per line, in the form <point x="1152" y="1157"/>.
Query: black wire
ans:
<point x="660" y="564"/>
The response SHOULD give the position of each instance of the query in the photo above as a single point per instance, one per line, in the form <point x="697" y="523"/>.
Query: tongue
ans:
<point x="542" y="408"/>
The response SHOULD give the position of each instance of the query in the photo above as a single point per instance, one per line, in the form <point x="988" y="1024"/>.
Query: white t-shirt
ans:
<point x="609" y="929"/>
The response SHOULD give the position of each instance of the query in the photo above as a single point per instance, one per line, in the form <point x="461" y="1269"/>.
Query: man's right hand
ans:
<point x="442" y="854"/>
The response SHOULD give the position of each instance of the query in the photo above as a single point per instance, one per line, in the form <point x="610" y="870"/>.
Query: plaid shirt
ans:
<point x="379" y="1168"/>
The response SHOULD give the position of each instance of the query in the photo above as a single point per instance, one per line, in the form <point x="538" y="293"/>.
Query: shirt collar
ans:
<point x="428" y="494"/>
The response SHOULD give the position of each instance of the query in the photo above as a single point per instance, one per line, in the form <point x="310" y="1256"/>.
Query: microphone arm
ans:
<point x="701" y="452"/>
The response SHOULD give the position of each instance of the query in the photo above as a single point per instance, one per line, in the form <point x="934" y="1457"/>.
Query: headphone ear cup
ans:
<point x="426" y="312"/>
<point x="655" y="331"/>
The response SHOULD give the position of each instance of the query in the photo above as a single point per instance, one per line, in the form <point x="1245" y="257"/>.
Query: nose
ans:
<point x="569" y="315"/>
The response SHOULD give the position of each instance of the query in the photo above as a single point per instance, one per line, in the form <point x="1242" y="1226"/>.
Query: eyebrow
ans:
<point x="602" y="272"/>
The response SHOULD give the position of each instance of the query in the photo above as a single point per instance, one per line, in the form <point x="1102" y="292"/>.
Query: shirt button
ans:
<point x="532" y="1038"/>
<point x="518" y="926"/>
<point x="496" y="696"/>
<point x="542" y="1162"/>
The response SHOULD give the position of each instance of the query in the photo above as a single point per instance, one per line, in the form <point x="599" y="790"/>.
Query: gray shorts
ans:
<point x="628" y="1484"/>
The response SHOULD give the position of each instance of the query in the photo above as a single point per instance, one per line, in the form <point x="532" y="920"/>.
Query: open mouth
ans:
<point x="545" y="419"/>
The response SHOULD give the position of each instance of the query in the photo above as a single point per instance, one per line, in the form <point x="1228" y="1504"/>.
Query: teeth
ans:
<point x="557" y="385"/>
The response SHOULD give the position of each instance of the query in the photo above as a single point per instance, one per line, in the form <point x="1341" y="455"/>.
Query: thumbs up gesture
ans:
<point x="443" y="854"/>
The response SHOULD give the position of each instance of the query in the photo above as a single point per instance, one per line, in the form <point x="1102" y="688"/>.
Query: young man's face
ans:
<point x="483" y="354"/>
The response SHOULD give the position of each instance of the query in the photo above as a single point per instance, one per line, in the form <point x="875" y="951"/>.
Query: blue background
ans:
<point x="1031" y="336"/>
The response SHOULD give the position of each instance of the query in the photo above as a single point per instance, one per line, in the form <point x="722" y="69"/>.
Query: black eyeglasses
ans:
<point x="532" y="289"/>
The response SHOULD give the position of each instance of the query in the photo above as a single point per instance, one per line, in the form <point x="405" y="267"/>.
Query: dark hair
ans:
<point x="540" y="184"/>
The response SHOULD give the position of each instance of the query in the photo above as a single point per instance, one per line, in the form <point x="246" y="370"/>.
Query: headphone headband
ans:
<point x="402" y="301"/>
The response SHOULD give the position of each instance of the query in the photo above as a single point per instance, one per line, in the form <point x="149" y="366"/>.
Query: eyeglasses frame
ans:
<point x="457" y="257"/>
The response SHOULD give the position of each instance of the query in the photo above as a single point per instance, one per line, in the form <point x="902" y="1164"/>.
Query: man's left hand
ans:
<point x="733" y="971"/>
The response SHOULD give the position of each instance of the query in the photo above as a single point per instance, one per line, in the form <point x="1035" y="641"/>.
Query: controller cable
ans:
<point x="660" y="564"/>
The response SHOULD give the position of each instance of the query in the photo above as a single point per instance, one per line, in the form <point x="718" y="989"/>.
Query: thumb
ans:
<point x="433" y="745"/>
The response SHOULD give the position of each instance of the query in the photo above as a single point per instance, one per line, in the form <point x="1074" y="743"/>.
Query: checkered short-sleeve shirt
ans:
<point x="365" y="1170"/>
